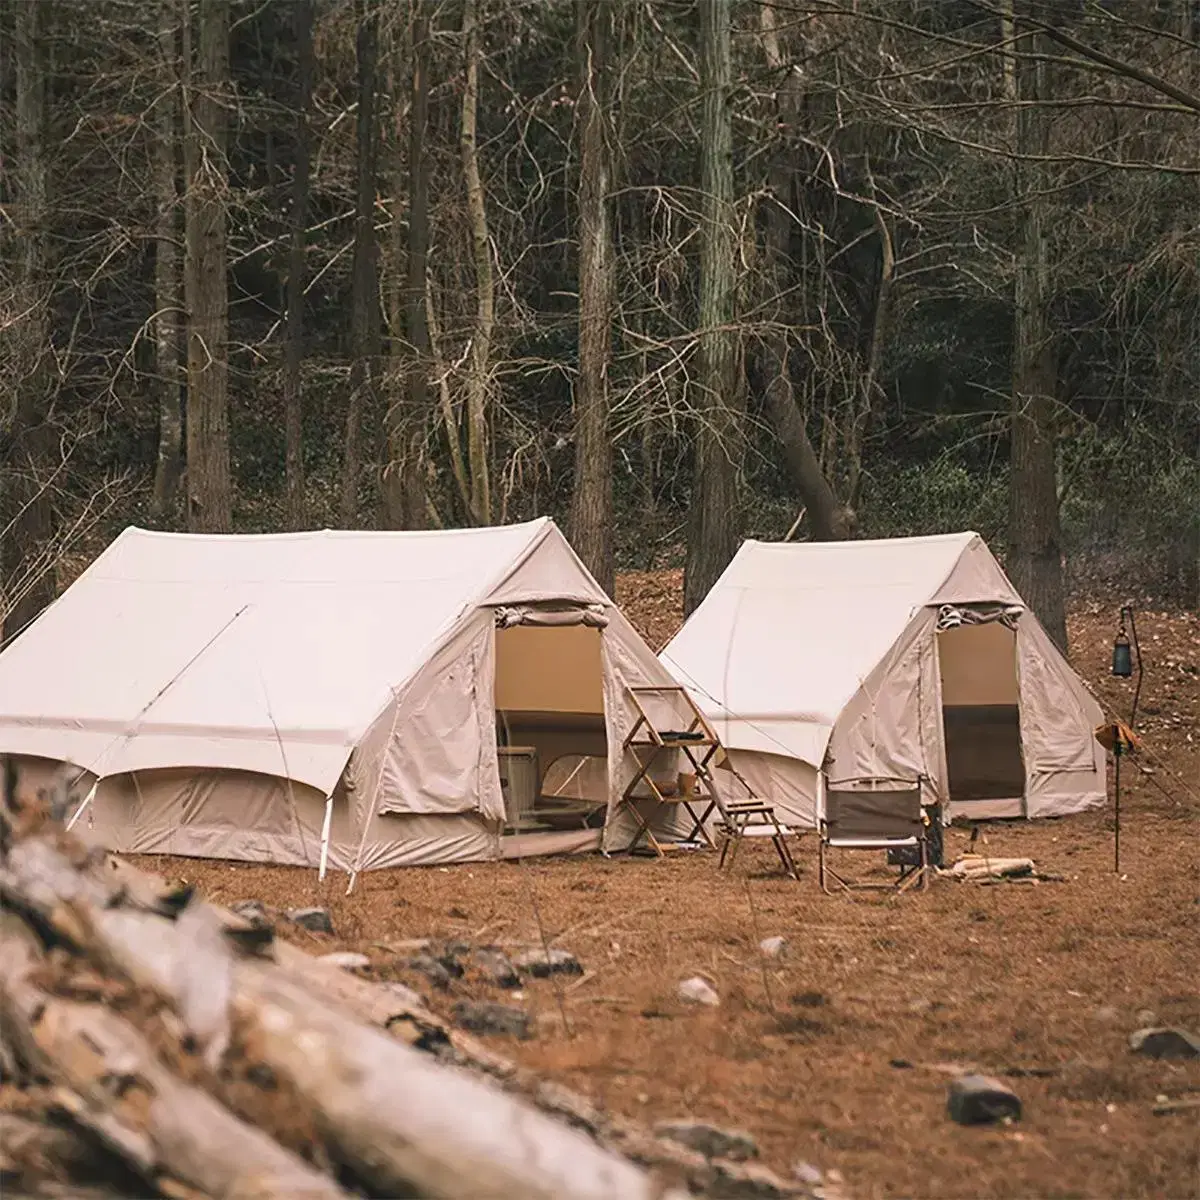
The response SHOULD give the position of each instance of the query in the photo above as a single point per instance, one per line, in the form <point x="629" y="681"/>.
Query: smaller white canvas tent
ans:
<point x="270" y="698"/>
<point x="821" y="662"/>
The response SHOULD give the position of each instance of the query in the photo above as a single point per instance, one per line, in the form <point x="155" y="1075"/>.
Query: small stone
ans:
<point x="772" y="947"/>
<point x="348" y="960"/>
<point x="317" y="920"/>
<point x="809" y="999"/>
<point x="496" y="967"/>
<point x="254" y="911"/>
<point x="709" y="1140"/>
<point x="696" y="991"/>
<point x="807" y="1173"/>
<point x="541" y="964"/>
<point x="1165" y="1043"/>
<point x="1145" y="1017"/>
<point x="501" y="1019"/>
<point x="981" y="1100"/>
<point x="433" y="969"/>
<point x="1108" y="1013"/>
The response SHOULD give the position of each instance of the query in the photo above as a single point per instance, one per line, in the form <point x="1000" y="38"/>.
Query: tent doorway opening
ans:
<point x="981" y="720"/>
<point x="550" y="731"/>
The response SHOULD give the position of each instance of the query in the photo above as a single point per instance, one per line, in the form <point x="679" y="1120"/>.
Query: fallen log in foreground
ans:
<point x="113" y="1085"/>
<point x="397" y="1121"/>
<point x="395" y="1012"/>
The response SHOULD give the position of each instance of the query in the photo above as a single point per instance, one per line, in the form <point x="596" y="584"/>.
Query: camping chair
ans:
<point x="875" y="813"/>
<point x="753" y="818"/>
<point x="749" y="817"/>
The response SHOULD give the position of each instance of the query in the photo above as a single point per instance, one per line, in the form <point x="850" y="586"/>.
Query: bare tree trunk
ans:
<point x="26" y="517"/>
<point x="364" y="319"/>
<point x="167" y="307"/>
<point x="408" y="417"/>
<point x="210" y="488"/>
<point x="591" y="521"/>
<point x="1035" y="537"/>
<point x="293" y="399"/>
<point x="713" y="531"/>
<point x="827" y="520"/>
<point x="478" y="452"/>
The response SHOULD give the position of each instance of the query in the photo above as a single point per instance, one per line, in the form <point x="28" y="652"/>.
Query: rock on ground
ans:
<point x="772" y="947"/>
<point x="254" y="911"/>
<point x="502" y="1019"/>
<point x="981" y="1100"/>
<point x="697" y="991"/>
<point x="1165" y="1043"/>
<point x="807" y="1173"/>
<point x="316" y="920"/>
<point x="709" y="1140"/>
<point x="496" y="967"/>
<point x="541" y="963"/>
<point x="434" y="969"/>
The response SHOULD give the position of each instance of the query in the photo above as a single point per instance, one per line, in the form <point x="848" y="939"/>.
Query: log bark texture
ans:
<point x="398" y="1119"/>
<point x="114" y="1085"/>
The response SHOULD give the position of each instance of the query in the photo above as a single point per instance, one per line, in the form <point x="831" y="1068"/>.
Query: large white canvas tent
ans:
<point x="270" y="698"/>
<point x="823" y="662"/>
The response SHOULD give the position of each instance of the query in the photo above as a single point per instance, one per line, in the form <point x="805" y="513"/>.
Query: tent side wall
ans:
<point x="892" y="726"/>
<point x="791" y="785"/>
<point x="205" y="813"/>
<point x="1067" y="769"/>
<point x="431" y="754"/>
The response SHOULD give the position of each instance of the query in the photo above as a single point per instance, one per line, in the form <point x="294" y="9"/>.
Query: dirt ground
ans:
<point x="829" y="1055"/>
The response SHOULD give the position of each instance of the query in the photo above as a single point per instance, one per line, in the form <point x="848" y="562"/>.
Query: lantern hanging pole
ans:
<point x="1117" y="803"/>
<point x="1126" y="657"/>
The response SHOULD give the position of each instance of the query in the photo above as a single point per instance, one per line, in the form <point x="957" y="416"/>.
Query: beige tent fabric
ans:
<point x="825" y="655"/>
<point x="221" y="687"/>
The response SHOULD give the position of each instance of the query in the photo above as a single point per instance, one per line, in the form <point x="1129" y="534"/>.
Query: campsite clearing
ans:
<point x="1047" y="979"/>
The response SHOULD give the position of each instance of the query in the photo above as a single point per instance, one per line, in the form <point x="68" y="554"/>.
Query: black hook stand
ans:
<point x="1118" y="737"/>
<point x="1117" y="745"/>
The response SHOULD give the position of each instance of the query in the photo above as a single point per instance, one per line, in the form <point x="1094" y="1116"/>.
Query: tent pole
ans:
<point x="325" y="827"/>
<point x="82" y="805"/>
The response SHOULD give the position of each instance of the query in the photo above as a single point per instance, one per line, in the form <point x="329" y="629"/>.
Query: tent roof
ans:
<point x="268" y="652"/>
<point x="790" y="631"/>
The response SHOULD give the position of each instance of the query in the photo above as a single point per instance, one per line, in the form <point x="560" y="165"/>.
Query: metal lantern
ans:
<point x="1122" y="660"/>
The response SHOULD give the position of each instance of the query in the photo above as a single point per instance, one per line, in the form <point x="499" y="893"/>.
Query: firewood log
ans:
<point x="114" y="1086"/>
<point x="396" y="1118"/>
